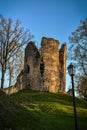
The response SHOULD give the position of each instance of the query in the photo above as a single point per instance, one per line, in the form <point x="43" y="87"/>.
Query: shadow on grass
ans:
<point x="27" y="117"/>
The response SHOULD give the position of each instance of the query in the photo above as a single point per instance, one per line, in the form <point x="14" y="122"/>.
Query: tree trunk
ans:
<point x="10" y="78"/>
<point x="2" y="78"/>
<point x="9" y="81"/>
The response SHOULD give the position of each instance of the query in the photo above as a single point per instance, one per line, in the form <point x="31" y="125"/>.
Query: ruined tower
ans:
<point x="44" y="69"/>
<point x="62" y="68"/>
<point x="31" y="67"/>
<point x="50" y="55"/>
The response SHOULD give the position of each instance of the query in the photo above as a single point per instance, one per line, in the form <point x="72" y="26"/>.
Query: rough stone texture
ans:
<point x="10" y="90"/>
<point x="50" y="55"/>
<point x="32" y="67"/>
<point x="44" y="69"/>
<point x="62" y="67"/>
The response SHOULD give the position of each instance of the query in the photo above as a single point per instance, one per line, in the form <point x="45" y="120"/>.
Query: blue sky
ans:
<point x="50" y="18"/>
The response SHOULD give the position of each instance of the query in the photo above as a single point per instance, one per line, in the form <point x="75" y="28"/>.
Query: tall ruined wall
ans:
<point x="31" y="67"/>
<point x="50" y="56"/>
<point x="62" y="67"/>
<point x="44" y="70"/>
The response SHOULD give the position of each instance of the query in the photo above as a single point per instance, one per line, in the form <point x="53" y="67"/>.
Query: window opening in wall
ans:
<point x="28" y="68"/>
<point x="42" y="69"/>
<point x="37" y="55"/>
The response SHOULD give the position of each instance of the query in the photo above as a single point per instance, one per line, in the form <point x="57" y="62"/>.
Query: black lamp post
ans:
<point x="71" y="70"/>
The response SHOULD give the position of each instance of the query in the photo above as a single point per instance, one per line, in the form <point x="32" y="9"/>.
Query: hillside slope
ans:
<point x="27" y="110"/>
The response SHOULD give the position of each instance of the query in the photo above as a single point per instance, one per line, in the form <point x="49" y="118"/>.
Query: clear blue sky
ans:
<point x="50" y="18"/>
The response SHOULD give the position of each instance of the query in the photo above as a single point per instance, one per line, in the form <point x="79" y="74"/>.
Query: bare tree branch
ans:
<point x="12" y="37"/>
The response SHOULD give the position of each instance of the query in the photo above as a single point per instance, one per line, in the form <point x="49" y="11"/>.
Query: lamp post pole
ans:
<point x="71" y="70"/>
<point x="74" y="102"/>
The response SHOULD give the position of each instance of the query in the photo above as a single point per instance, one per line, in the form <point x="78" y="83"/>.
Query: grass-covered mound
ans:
<point x="27" y="110"/>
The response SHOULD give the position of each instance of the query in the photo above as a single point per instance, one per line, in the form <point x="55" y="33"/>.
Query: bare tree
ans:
<point x="12" y="38"/>
<point x="78" y="54"/>
<point x="78" y="47"/>
<point x="82" y="87"/>
<point x="15" y="65"/>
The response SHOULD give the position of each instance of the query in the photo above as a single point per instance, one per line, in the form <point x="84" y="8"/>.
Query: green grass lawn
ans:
<point x="27" y="110"/>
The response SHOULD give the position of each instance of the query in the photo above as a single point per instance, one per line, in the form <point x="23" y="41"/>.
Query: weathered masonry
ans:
<point x="44" y="69"/>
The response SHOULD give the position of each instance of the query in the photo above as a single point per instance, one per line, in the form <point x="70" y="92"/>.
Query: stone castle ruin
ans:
<point x="44" y="69"/>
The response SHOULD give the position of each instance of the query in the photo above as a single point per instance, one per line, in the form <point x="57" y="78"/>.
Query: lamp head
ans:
<point x="71" y="69"/>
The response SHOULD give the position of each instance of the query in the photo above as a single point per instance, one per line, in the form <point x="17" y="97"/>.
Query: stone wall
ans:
<point x="31" y="67"/>
<point x="44" y="69"/>
<point x="62" y="67"/>
<point x="10" y="90"/>
<point x="50" y="55"/>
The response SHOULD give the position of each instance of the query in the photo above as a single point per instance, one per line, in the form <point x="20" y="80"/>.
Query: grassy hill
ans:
<point x="27" y="110"/>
